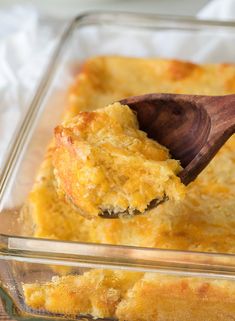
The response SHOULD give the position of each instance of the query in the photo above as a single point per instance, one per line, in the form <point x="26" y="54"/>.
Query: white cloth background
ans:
<point x="25" y="47"/>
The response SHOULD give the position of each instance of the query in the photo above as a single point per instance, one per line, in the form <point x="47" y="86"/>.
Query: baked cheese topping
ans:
<point x="104" y="163"/>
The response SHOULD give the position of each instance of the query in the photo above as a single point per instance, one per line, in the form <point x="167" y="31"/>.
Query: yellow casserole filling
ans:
<point x="204" y="220"/>
<point x="134" y="296"/>
<point x="104" y="163"/>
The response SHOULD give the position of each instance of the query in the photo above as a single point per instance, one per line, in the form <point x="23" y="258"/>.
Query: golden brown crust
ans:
<point x="179" y="70"/>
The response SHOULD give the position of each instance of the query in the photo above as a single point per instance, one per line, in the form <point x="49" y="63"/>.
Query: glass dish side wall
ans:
<point x="148" y="285"/>
<point x="173" y="296"/>
<point x="76" y="47"/>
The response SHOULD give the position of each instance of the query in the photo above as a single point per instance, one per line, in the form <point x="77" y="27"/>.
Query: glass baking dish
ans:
<point x="24" y="259"/>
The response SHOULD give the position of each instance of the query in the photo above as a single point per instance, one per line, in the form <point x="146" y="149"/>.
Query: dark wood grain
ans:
<point x="193" y="127"/>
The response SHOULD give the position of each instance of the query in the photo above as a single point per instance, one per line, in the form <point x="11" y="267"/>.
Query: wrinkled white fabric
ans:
<point x="218" y="10"/>
<point x="26" y="45"/>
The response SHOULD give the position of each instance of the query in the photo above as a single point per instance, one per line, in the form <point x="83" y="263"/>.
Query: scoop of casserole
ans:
<point x="104" y="163"/>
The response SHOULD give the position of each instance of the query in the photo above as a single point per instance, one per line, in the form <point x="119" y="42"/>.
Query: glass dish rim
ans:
<point x="31" y="249"/>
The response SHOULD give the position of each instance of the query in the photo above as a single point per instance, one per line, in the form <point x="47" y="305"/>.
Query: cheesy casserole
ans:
<point x="104" y="164"/>
<point x="202" y="221"/>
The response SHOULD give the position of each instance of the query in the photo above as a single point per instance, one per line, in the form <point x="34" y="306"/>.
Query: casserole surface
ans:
<point x="203" y="221"/>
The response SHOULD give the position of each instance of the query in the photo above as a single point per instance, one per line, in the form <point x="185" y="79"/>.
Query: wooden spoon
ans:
<point x="192" y="127"/>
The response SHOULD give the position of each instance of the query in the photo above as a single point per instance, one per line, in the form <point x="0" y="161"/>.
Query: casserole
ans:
<point x="26" y="260"/>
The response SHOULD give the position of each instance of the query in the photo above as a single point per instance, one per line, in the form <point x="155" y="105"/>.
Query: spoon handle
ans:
<point x="220" y="114"/>
<point x="221" y="110"/>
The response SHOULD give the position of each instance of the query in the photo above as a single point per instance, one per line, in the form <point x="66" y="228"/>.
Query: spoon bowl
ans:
<point x="192" y="127"/>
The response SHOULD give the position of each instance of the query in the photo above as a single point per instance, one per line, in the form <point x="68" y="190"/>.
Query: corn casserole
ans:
<point x="204" y="220"/>
<point x="103" y="163"/>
